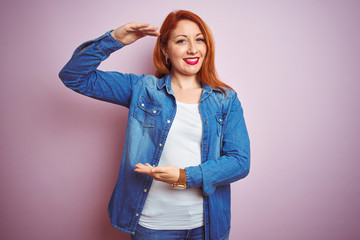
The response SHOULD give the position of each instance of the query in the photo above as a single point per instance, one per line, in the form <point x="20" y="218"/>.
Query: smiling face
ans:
<point x="186" y="49"/>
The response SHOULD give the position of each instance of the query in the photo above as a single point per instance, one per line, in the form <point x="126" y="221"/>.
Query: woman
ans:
<point x="186" y="138"/>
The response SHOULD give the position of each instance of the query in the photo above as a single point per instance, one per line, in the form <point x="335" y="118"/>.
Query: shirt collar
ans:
<point x="165" y="81"/>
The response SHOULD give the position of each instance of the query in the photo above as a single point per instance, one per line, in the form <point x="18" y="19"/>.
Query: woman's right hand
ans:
<point x="130" y="32"/>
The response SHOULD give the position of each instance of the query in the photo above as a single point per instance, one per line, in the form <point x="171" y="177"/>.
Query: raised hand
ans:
<point x="130" y="32"/>
<point x="168" y="174"/>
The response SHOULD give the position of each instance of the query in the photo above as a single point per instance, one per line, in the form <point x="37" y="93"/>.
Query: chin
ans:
<point x="192" y="71"/>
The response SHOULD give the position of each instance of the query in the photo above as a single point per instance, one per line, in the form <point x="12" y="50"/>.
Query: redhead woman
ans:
<point x="186" y="138"/>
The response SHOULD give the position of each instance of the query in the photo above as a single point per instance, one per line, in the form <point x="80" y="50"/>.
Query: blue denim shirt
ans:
<point x="151" y="102"/>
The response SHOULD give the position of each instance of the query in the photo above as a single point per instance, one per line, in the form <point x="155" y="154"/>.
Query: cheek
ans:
<point x="204" y="50"/>
<point x="176" y="52"/>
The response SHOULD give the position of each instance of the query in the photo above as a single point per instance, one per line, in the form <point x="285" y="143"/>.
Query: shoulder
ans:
<point x="146" y="80"/>
<point x="229" y="100"/>
<point x="227" y="96"/>
<point x="149" y="79"/>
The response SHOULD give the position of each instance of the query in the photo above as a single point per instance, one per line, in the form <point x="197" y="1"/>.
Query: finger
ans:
<point x="147" y="33"/>
<point x="147" y="29"/>
<point x="142" y="167"/>
<point x="139" y="165"/>
<point x="142" y="27"/>
<point x="152" y="33"/>
<point x="148" y="165"/>
<point x="136" y="25"/>
<point x="143" y="170"/>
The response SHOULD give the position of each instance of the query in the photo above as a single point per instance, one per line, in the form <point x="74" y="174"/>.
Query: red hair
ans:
<point x="207" y="73"/>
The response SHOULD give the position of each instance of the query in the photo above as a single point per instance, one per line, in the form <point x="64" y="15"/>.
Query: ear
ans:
<point x="164" y="51"/>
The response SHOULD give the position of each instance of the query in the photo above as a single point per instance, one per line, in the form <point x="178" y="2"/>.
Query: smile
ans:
<point x="192" y="61"/>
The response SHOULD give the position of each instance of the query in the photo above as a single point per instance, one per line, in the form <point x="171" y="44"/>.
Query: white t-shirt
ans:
<point x="167" y="208"/>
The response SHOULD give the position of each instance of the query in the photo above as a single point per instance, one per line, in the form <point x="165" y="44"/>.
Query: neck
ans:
<point x="185" y="82"/>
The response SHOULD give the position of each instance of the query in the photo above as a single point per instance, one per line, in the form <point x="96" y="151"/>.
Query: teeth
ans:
<point x="191" y="59"/>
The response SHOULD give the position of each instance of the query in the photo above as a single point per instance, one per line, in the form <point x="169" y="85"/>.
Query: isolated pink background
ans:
<point x="294" y="64"/>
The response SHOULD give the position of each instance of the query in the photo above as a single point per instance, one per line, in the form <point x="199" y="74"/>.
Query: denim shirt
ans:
<point x="225" y="154"/>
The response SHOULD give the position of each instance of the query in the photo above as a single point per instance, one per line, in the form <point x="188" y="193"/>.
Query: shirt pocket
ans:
<point x="147" y="112"/>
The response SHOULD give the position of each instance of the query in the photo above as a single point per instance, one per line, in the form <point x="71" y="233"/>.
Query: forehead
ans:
<point x="186" y="27"/>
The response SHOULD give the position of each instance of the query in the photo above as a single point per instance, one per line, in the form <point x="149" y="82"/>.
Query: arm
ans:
<point x="234" y="162"/>
<point x="81" y="75"/>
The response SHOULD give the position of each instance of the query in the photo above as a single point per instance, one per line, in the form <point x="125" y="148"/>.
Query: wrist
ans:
<point x="181" y="183"/>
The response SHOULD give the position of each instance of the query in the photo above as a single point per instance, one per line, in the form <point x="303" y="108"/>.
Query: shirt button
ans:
<point x="207" y="223"/>
<point x="142" y="104"/>
<point x="137" y="214"/>
<point x="206" y="122"/>
<point x="145" y="190"/>
<point x="205" y="148"/>
<point x="201" y="101"/>
<point x="160" y="144"/>
<point x="154" y="165"/>
<point x="168" y="121"/>
<point x="220" y="119"/>
<point x="154" y="111"/>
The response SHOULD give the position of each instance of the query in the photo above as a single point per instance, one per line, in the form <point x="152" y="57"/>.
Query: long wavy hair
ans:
<point x="207" y="73"/>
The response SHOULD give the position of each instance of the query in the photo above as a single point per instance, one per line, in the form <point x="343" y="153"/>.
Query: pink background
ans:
<point x="294" y="64"/>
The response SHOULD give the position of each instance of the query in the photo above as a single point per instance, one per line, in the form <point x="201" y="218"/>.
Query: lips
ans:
<point x="192" y="60"/>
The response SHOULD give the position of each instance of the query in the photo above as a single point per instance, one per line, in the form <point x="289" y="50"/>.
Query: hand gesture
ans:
<point x="130" y="32"/>
<point x="168" y="174"/>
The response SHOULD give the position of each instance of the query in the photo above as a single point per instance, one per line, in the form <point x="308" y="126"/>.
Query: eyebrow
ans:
<point x="182" y="35"/>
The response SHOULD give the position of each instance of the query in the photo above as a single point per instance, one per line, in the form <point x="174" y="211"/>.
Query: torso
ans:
<point x="167" y="208"/>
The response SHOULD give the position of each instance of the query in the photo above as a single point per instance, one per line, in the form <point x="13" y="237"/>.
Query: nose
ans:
<point x="192" y="49"/>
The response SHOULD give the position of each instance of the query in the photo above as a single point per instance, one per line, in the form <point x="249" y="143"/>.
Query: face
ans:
<point x="186" y="49"/>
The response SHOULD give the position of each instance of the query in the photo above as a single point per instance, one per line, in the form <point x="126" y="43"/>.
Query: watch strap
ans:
<point x="182" y="180"/>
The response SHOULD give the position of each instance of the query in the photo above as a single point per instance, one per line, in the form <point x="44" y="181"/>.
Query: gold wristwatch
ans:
<point x="181" y="184"/>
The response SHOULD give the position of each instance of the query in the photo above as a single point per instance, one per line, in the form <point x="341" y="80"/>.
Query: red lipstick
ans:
<point x="192" y="60"/>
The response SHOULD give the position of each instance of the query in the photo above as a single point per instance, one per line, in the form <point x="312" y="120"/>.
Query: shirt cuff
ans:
<point x="109" y="44"/>
<point x="106" y="43"/>
<point x="193" y="176"/>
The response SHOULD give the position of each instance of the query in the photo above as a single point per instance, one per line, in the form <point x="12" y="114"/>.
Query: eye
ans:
<point x="180" y="41"/>
<point x="200" y="39"/>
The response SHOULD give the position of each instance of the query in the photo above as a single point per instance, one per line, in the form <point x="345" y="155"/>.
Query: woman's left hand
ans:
<point x="168" y="174"/>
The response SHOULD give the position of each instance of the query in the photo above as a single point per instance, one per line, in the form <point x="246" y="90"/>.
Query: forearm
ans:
<point x="214" y="173"/>
<point x="81" y="74"/>
<point x="234" y="161"/>
<point x="85" y="60"/>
